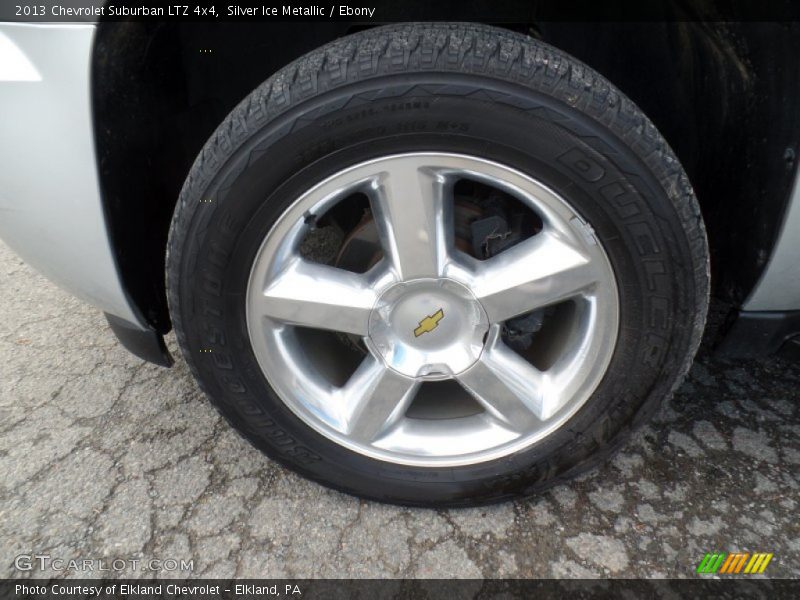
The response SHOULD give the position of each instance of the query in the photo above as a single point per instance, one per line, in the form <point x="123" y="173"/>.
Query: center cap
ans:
<point x="428" y="328"/>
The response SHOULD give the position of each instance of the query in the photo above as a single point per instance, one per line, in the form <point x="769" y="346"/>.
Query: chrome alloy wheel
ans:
<point x="427" y="311"/>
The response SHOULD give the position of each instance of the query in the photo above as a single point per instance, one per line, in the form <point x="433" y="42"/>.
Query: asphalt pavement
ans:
<point x="104" y="457"/>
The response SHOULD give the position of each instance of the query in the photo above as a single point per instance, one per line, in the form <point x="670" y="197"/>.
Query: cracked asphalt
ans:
<point x="104" y="456"/>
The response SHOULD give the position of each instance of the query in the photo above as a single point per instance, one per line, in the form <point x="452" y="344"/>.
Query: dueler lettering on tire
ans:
<point x="437" y="264"/>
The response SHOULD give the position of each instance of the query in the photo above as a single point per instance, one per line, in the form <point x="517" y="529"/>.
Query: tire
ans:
<point x="469" y="90"/>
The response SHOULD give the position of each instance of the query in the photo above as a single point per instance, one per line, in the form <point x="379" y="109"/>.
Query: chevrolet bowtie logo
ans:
<point x="429" y="323"/>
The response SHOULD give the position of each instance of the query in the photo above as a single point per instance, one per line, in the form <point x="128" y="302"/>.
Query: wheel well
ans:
<point x="717" y="92"/>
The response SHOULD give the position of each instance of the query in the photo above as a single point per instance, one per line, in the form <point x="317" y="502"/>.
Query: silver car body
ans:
<point x="51" y="211"/>
<point x="779" y="286"/>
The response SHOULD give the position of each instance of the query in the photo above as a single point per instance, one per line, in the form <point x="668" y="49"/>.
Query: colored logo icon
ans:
<point x="429" y="323"/>
<point x="735" y="563"/>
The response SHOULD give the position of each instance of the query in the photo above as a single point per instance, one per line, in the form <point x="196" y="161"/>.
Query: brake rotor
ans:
<point x="361" y="248"/>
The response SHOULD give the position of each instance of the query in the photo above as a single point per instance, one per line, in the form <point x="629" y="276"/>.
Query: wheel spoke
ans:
<point x="375" y="398"/>
<point x="314" y="295"/>
<point x="543" y="270"/>
<point x="413" y="219"/>
<point x="509" y="388"/>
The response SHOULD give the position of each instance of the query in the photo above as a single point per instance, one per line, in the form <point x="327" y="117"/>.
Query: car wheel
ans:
<point x="437" y="264"/>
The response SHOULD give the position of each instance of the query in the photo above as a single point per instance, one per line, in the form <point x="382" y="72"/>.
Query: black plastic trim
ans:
<point x="147" y="344"/>
<point x="759" y="333"/>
